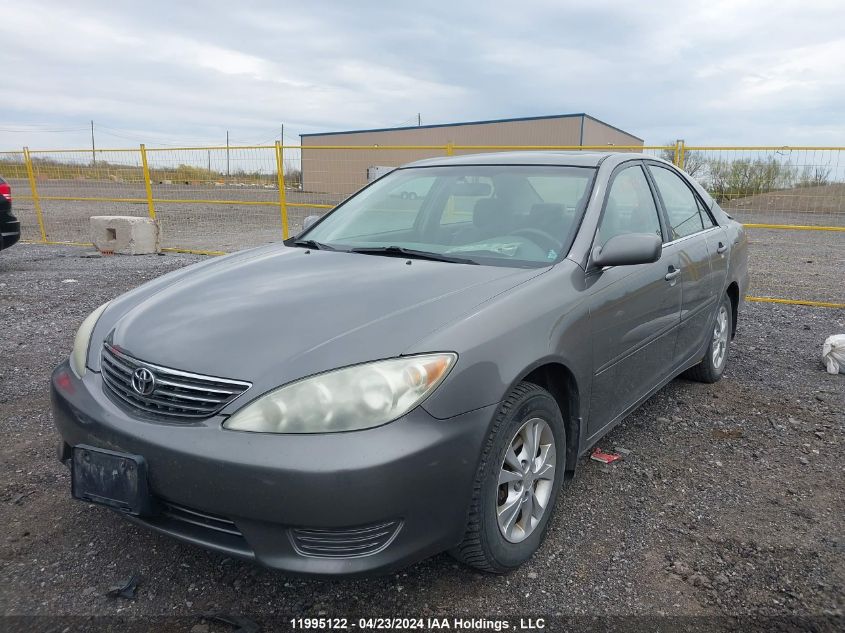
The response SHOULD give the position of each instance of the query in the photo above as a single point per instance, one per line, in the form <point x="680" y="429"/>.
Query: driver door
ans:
<point x="634" y="310"/>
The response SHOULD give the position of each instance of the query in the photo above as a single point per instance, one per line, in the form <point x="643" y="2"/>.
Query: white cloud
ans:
<point x="722" y="71"/>
<point x="807" y="75"/>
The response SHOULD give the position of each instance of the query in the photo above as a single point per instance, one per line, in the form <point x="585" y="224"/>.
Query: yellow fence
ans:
<point x="218" y="199"/>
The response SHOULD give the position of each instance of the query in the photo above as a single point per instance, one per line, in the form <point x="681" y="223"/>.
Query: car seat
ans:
<point x="549" y="217"/>
<point x="489" y="218"/>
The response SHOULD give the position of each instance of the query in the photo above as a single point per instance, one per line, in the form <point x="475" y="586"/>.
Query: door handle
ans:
<point x="672" y="274"/>
<point x="721" y="248"/>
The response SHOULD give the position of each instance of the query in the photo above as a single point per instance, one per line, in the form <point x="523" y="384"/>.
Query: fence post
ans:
<point x="36" y="201"/>
<point x="450" y="149"/>
<point x="147" y="183"/>
<point x="283" y="198"/>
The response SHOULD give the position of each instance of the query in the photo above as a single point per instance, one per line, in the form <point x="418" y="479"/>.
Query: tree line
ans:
<point x="731" y="178"/>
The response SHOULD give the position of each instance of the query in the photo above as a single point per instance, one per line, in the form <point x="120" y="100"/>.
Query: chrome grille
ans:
<point x="344" y="542"/>
<point x="175" y="393"/>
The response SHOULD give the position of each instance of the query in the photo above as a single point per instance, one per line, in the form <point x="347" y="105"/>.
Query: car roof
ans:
<point x="567" y="158"/>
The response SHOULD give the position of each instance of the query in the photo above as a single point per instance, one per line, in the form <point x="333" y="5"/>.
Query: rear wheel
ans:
<point x="712" y="366"/>
<point x="517" y="484"/>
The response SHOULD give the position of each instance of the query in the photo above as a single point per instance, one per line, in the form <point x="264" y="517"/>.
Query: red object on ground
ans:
<point x="605" y="458"/>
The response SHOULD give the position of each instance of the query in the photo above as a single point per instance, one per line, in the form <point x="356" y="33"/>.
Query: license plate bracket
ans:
<point x="109" y="478"/>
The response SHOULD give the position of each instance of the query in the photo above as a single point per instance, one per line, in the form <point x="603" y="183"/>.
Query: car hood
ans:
<point x="284" y="313"/>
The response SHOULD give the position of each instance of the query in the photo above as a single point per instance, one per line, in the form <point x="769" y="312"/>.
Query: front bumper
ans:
<point x="415" y="473"/>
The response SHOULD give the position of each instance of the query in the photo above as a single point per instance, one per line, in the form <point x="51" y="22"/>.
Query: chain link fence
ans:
<point x="765" y="186"/>
<point x="220" y="199"/>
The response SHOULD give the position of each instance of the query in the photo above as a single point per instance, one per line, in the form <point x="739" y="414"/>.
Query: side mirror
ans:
<point x="628" y="249"/>
<point x="309" y="221"/>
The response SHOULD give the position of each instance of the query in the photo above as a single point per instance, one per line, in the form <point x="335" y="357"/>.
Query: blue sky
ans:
<point x="736" y="72"/>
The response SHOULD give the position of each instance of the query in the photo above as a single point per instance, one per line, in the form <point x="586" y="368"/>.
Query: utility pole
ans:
<point x="227" y="153"/>
<point x="209" y="161"/>
<point x="282" y="135"/>
<point x="419" y="119"/>
<point x="93" y="150"/>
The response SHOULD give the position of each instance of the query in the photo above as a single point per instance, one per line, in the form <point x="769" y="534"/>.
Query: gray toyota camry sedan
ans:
<point x="409" y="375"/>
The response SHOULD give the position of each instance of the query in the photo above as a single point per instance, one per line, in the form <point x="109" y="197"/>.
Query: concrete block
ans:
<point x="125" y="235"/>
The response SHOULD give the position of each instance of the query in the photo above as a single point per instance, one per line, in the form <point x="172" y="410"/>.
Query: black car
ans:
<point x="10" y="227"/>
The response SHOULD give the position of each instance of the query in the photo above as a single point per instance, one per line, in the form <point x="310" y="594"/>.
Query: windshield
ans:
<point x="501" y="215"/>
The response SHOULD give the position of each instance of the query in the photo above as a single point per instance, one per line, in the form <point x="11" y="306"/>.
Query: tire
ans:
<point x="485" y="546"/>
<point x="712" y="366"/>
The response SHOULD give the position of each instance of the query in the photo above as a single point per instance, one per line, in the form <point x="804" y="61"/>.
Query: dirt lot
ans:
<point x="729" y="502"/>
<point x="192" y="225"/>
<point x="807" y="265"/>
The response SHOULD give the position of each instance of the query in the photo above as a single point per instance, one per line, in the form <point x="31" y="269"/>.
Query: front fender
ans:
<point x="545" y="320"/>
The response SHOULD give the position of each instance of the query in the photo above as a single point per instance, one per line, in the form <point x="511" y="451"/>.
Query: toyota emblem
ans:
<point x="143" y="381"/>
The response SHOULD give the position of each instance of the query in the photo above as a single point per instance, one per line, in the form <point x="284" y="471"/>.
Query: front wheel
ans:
<point x="712" y="366"/>
<point x="518" y="481"/>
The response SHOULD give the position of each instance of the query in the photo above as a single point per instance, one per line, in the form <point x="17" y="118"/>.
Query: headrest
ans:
<point x="486" y="212"/>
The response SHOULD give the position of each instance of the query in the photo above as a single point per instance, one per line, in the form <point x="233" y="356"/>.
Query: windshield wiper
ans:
<point x="313" y="244"/>
<point x="399" y="251"/>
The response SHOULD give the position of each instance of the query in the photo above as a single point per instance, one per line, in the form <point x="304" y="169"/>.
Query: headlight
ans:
<point x="79" y="355"/>
<point x="357" y="397"/>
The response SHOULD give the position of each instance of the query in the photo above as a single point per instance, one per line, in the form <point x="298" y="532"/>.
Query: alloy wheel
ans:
<point x="526" y="480"/>
<point x="720" y="337"/>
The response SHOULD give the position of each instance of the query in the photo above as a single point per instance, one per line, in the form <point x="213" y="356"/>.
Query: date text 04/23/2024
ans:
<point x="421" y="624"/>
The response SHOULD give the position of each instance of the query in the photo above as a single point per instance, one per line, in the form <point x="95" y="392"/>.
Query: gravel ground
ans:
<point x="729" y="501"/>
<point x="808" y="265"/>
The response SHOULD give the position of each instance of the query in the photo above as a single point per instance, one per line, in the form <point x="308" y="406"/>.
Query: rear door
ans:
<point x="634" y="310"/>
<point x="717" y="246"/>
<point x="694" y="239"/>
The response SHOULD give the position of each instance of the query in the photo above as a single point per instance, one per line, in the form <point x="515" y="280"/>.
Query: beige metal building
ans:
<point x="342" y="171"/>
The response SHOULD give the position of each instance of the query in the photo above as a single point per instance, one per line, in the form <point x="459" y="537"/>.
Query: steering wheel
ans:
<point x="540" y="238"/>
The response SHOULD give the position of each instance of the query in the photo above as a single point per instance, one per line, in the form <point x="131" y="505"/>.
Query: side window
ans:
<point x="706" y="220"/>
<point x="629" y="208"/>
<point x="395" y="208"/>
<point x="464" y="194"/>
<point x="566" y="191"/>
<point x="682" y="206"/>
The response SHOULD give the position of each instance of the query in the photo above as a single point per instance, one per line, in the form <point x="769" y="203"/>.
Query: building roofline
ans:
<point x="484" y="122"/>
<point x="613" y="127"/>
